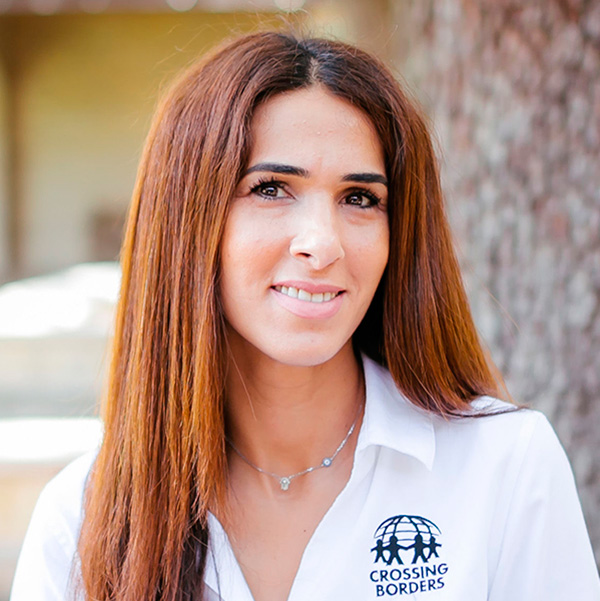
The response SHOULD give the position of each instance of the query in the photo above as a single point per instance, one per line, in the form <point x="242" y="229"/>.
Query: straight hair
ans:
<point x="162" y="463"/>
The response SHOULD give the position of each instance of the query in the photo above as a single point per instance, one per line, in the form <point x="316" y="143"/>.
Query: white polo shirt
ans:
<point x="435" y="510"/>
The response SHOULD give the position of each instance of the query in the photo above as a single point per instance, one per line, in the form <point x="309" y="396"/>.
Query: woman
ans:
<point x="295" y="371"/>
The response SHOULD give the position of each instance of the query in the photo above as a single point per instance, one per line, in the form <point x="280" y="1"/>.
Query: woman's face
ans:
<point x="306" y="239"/>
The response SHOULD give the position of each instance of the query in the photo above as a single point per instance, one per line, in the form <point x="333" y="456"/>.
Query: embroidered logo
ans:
<point x="410" y="545"/>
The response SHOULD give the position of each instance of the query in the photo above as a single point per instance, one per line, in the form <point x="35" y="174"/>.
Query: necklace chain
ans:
<point x="285" y="481"/>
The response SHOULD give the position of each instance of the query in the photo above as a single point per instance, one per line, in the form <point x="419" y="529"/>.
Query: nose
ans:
<point x="317" y="238"/>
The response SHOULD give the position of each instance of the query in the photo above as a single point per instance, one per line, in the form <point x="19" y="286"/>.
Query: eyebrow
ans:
<point x="361" y="178"/>
<point x="277" y="168"/>
<point x="365" y="178"/>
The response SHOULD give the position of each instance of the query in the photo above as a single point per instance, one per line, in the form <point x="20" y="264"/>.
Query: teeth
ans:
<point x="319" y="297"/>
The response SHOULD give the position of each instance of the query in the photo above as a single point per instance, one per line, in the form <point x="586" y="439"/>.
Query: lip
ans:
<point x="307" y="309"/>
<point x="311" y="287"/>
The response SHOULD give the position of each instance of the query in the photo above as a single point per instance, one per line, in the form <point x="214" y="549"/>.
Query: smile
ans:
<point x="303" y="295"/>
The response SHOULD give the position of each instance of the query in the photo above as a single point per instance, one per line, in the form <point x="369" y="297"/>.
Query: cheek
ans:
<point x="249" y="250"/>
<point x="237" y="243"/>
<point x="371" y="253"/>
<point x="249" y="232"/>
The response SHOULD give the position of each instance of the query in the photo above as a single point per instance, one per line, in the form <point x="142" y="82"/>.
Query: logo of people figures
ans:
<point x="406" y="539"/>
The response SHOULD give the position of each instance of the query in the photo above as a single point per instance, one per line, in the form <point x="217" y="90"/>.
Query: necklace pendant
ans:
<point x="284" y="483"/>
<point x="326" y="462"/>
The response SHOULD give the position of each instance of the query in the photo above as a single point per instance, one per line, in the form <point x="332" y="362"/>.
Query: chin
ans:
<point x="308" y="355"/>
<point x="294" y="349"/>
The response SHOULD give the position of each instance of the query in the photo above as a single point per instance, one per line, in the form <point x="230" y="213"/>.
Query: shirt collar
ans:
<point x="391" y="420"/>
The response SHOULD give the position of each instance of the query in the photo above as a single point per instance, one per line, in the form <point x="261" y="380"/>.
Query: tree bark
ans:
<point x="513" y="89"/>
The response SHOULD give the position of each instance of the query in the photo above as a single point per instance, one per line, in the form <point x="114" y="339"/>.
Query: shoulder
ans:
<point x="62" y="497"/>
<point x="537" y="530"/>
<point x="512" y="459"/>
<point x="499" y="427"/>
<point x="494" y="430"/>
<point x="493" y="433"/>
<point x="502" y="438"/>
<point x="46" y="562"/>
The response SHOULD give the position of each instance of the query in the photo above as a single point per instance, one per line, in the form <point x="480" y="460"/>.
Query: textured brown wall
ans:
<point x="514" y="92"/>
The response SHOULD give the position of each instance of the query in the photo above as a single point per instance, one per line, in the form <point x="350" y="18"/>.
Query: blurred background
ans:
<point x="513" y="91"/>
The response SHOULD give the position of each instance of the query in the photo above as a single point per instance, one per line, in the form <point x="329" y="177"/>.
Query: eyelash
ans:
<point x="263" y="183"/>
<point x="374" y="200"/>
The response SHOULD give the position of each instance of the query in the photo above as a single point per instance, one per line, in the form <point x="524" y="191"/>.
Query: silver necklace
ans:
<point x="285" y="481"/>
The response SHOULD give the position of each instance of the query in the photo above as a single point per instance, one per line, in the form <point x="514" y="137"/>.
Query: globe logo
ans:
<point x="404" y="536"/>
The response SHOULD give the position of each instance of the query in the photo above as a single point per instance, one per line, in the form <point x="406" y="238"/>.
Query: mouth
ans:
<point x="304" y="295"/>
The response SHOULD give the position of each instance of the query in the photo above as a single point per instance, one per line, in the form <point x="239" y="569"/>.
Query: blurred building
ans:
<point x="78" y="84"/>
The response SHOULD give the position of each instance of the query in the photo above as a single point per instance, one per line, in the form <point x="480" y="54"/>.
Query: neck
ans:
<point x="284" y="418"/>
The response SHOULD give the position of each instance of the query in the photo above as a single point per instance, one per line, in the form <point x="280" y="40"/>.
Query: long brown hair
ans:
<point x="163" y="461"/>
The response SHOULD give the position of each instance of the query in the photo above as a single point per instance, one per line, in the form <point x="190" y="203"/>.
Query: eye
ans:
<point x="363" y="199"/>
<point x="268" y="189"/>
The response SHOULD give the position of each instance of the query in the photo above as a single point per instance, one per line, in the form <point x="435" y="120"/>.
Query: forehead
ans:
<point x="312" y="126"/>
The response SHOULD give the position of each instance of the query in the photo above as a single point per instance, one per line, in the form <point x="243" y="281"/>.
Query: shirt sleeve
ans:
<point x="46" y="569"/>
<point x="546" y="553"/>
